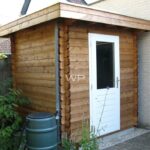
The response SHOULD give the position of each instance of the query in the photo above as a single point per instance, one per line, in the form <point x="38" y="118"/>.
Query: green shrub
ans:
<point x="88" y="140"/>
<point x="10" y="119"/>
<point x="68" y="144"/>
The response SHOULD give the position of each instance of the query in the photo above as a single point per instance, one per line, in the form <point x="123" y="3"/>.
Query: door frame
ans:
<point x="103" y="38"/>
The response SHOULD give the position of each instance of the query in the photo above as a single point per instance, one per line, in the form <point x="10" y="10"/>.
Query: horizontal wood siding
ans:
<point x="64" y="82"/>
<point x="79" y="65"/>
<point x="34" y="66"/>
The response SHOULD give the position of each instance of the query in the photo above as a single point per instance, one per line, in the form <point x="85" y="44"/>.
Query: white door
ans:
<point x="104" y="83"/>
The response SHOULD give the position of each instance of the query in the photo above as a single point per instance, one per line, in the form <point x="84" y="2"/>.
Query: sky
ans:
<point x="10" y="9"/>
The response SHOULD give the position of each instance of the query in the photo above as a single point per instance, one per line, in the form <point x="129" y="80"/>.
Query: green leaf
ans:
<point x="10" y="119"/>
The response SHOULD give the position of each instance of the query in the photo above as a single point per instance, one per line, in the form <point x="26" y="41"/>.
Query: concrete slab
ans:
<point x="141" y="142"/>
<point x="123" y="136"/>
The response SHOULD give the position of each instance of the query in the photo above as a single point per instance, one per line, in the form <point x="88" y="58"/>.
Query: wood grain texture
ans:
<point x="98" y="16"/>
<point x="64" y="79"/>
<point x="79" y="64"/>
<point x="34" y="70"/>
<point x="33" y="19"/>
<point x="72" y="11"/>
<point x="34" y="66"/>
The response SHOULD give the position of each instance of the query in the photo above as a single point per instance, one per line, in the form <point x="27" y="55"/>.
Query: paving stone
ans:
<point x="120" y="137"/>
<point x="139" y="143"/>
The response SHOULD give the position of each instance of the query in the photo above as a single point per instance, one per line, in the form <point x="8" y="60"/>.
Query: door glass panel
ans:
<point x="105" y="65"/>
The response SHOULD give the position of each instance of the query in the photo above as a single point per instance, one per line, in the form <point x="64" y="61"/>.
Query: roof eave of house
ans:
<point x="73" y="11"/>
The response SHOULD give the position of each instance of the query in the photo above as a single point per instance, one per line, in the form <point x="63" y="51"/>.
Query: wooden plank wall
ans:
<point x="34" y="66"/>
<point x="64" y="76"/>
<point x="79" y="65"/>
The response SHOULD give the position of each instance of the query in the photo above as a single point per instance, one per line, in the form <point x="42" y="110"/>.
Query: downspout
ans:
<point x="25" y="7"/>
<point x="57" y="79"/>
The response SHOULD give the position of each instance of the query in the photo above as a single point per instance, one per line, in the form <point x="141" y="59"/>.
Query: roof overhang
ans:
<point x="71" y="11"/>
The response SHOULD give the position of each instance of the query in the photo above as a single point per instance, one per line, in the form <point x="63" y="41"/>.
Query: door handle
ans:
<point x="117" y="82"/>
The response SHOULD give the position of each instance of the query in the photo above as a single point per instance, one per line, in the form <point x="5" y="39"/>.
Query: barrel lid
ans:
<point x="39" y="115"/>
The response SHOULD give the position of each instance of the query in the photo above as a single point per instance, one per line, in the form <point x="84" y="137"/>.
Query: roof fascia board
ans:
<point x="93" y="15"/>
<point x="35" y="18"/>
<point x="71" y="11"/>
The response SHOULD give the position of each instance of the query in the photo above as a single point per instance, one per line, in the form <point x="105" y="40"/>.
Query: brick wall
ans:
<point x="5" y="45"/>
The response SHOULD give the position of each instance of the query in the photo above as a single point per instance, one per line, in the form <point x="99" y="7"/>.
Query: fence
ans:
<point x="5" y="72"/>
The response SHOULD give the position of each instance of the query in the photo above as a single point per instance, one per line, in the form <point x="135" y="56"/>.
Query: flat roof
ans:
<point x="73" y="11"/>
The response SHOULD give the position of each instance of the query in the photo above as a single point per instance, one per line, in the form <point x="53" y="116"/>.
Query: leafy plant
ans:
<point x="68" y="144"/>
<point x="89" y="140"/>
<point x="2" y="56"/>
<point x="10" y="119"/>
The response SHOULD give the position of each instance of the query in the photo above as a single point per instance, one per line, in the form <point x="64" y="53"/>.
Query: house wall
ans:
<point x="5" y="45"/>
<point x="64" y="76"/>
<point x="140" y="9"/>
<point x="134" y="8"/>
<point x="144" y="78"/>
<point x="34" y="66"/>
<point x="75" y="98"/>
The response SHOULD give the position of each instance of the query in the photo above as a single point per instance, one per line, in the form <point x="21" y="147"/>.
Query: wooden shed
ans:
<point x="141" y="10"/>
<point x="80" y="62"/>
